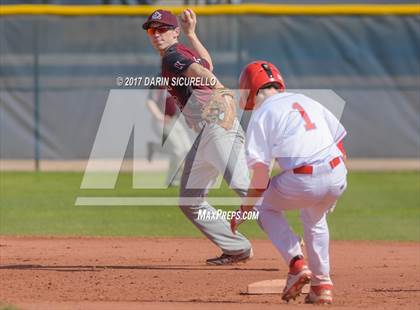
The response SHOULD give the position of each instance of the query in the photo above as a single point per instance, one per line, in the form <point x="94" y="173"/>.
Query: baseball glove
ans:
<point x="221" y="108"/>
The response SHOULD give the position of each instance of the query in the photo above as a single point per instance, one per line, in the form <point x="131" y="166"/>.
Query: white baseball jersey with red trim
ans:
<point x="299" y="133"/>
<point x="293" y="129"/>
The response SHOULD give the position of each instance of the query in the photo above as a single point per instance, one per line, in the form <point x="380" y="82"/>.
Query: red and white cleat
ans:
<point x="295" y="282"/>
<point x="320" y="295"/>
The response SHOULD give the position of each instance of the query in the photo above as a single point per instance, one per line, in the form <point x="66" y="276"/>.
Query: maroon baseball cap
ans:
<point x="163" y="17"/>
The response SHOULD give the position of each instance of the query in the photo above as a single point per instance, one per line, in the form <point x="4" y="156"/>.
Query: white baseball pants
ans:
<point x="314" y="194"/>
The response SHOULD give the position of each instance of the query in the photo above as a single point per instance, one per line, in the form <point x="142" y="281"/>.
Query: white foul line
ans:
<point x="155" y="201"/>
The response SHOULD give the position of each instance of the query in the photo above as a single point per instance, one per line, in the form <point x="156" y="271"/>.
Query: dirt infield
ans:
<point x="158" y="273"/>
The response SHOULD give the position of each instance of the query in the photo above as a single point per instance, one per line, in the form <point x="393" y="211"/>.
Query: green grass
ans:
<point x="7" y="307"/>
<point x="376" y="206"/>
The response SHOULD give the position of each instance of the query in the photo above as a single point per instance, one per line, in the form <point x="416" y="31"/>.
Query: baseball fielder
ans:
<point x="176" y="139"/>
<point x="306" y="141"/>
<point x="219" y="147"/>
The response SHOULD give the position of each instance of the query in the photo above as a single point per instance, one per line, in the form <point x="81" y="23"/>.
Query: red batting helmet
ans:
<point x="254" y="76"/>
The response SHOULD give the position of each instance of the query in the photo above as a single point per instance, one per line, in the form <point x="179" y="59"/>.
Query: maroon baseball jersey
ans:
<point x="175" y="61"/>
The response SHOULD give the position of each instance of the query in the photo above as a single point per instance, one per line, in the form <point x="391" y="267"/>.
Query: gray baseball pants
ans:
<point x="215" y="151"/>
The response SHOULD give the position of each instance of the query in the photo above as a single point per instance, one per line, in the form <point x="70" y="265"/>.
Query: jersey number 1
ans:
<point x="308" y="124"/>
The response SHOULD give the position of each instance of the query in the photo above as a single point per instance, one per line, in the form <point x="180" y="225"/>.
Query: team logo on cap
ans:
<point x="157" y="15"/>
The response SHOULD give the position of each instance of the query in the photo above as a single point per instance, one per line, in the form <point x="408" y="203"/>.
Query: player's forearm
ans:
<point x="154" y="110"/>
<point x="196" y="70"/>
<point x="200" y="49"/>
<point x="259" y="183"/>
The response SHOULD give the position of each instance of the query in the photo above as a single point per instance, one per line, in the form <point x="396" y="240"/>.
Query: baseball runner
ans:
<point x="177" y="144"/>
<point x="210" y="110"/>
<point x="306" y="141"/>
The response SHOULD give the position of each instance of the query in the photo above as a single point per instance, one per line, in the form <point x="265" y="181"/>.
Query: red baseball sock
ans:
<point x="296" y="264"/>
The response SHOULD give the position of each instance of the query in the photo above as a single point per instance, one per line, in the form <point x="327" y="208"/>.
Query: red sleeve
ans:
<point x="176" y="63"/>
